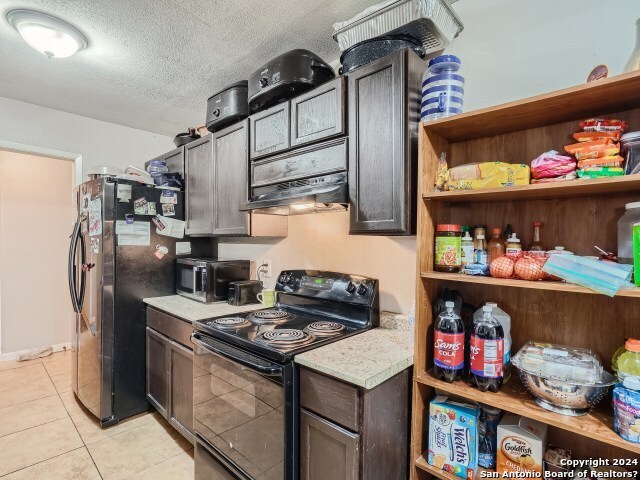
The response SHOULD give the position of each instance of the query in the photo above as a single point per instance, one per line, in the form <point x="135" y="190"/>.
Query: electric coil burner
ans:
<point x="229" y="323"/>
<point x="285" y="338"/>
<point x="325" y="328"/>
<point x="246" y="386"/>
<point x="264" y="317"/>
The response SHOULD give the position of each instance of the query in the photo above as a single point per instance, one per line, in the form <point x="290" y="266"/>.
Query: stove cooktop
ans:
<point x="277" y="333"/>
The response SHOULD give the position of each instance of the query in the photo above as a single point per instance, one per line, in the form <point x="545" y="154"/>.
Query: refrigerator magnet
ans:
<point x="158" y="223"/>
<point x="168" y="209"/>
<point x="169" y="196"/>
<point x="129" y="218"/>
<point x="161" y="251"/>
<point x="95" y="244"/>
<point x="124" y="193"/>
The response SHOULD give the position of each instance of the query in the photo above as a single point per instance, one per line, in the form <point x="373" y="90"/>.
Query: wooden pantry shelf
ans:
<point x="605" y="96"/>
<point x="541" y="191"/>
<point x="422" y="464"/>
<point x="514" y="398"/>
<point x="511" y="282"/>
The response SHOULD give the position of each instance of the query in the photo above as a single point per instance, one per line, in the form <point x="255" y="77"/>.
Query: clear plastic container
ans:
<point x="157" y="167"/>
<point x="630" y="150"/>
<point x="557" y="362"/>
<point x="625" y="232"/>
<point x="442" y="88"/>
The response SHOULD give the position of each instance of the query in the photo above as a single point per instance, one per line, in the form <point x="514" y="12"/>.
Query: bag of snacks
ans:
<point x="473" y="176"/>
<point x="613" y="161"/>
<point x="593" y="136"/>
<point x="598" y="148"/>
<point x="600" y="172"/>
<point x="552" y="164"/>
<point x="603" y="125"/>
<point x="569" y="176"/>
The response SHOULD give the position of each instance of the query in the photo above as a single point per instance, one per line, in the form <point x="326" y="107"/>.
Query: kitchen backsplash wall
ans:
<point x="322" y="241"/>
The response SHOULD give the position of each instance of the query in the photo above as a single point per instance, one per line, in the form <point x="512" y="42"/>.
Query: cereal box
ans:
<point x="522" y="443"/>
<point x="453" y="436"/>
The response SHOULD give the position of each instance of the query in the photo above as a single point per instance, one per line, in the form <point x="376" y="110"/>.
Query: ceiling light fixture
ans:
<point x="46" y="34"/>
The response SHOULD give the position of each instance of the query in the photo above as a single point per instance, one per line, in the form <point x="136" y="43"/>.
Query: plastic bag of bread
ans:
<point x="522" y="173"/>
<point x="474" y="176"/>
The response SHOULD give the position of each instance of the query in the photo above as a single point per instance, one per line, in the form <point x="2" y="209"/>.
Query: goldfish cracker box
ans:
<point x="521" y="446"/>
<point x="453" y="436"/>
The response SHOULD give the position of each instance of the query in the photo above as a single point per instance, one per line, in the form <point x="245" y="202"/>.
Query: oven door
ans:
<point x="189" y="280"/>
<point x="239" y="413"/>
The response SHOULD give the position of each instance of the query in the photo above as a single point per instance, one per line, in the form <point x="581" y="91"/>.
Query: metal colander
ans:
<point x="564" y="397"/>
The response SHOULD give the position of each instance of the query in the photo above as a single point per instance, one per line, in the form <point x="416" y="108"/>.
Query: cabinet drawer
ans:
<point x="270" y="131"/>
<point x="330" y="398"/>
<point x="170" y="326"/>
<point x="320" y="159"/>
<point x="318" y="114"/>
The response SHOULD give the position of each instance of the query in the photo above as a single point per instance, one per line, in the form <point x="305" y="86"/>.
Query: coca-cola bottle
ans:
<point x="448" y="345"/>
<point x="487" y="352"/>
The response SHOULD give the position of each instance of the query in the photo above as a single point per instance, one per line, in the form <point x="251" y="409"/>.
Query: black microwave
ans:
<point x="207" y="280"/>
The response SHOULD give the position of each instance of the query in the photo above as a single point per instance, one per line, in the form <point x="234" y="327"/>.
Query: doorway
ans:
<point x="36" y="218"/>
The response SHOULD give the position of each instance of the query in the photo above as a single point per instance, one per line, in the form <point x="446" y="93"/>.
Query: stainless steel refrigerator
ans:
<point x="117" y="258"/>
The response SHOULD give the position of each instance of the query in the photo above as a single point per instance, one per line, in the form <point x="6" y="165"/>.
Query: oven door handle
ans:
<point x="267" y="368"/>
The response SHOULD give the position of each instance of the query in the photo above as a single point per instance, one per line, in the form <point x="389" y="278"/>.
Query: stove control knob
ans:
<point x="362" y="289"/>
<point x="264" y="81"/>
<point x="350" y="287"/>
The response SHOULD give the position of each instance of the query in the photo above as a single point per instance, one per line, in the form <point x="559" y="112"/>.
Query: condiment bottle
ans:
<point x="467" y="249"/>
<point x="496" y="245"/>
<point x="478" y="230"/>
<point x="536" y="245"/>
<point x="481" y="255"/>
<point x="513" y="245"/>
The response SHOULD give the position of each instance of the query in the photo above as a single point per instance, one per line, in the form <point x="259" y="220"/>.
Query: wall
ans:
<point x="510" y="50"/>
<point x="35" y="222"/>
<point x="99" y="143"/>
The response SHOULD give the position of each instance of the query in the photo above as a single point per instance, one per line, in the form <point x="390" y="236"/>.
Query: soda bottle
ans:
<point x="448" y="345"/>
<point x="487" y="352"/>
<point x="505" y="320"/>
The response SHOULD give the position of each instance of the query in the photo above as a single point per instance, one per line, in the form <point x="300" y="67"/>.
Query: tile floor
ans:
<point x="46" y="433"/>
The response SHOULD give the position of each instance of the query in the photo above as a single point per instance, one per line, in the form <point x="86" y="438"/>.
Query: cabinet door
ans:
<point x="379" y="170"/>
<point x="318" y="114"/>
<point x="157" y="371"/>
<point x="199" y="191"/>
<point x="231" y="179"/>
<point x="326" y="450"/>
<point x="181" y="389"/>
<point x="270" y="131"/>
<point x="175" y="160"/>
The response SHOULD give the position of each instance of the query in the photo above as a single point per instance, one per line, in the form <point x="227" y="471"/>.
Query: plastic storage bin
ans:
<point x="442" y="88"/>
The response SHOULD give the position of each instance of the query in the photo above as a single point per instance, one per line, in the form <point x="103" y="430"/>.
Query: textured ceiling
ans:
<point x="152" y="64"/>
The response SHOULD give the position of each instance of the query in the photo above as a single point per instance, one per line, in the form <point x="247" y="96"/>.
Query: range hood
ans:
<point x="327" y="193"/>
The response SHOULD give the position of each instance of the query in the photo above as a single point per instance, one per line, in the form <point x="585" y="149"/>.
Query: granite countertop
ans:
<point x="191" y="310"/>
<point x="366" y="359"/>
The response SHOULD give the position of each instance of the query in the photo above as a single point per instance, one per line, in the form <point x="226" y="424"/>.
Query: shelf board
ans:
<point x="511" y="282"/>
<point x="541" y="191"/>
<point x="422" y="464"/>
<point x="614" y="94"/>
<point x="514" y="398"/>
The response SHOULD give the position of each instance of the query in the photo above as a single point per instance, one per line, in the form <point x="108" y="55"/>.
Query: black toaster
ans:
<point x="227" y="106"/>
<point x="244" y="292"/>
<point x="287" y="76"/>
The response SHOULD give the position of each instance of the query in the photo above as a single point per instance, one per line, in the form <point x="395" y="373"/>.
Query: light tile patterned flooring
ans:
<point x="45" y="433"/>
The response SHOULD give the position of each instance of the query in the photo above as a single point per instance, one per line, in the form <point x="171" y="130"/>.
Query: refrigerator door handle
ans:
<point x="83" y="273"/>
<point x="73" y="246"/>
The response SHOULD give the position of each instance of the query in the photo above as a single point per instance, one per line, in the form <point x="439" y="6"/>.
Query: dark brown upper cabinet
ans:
<point x="270" y="131"/>
<point x="230" y="179"/>
<point x="384" y="103"/>
<point x="217" y="173"/>
<point x="318" y="114"/>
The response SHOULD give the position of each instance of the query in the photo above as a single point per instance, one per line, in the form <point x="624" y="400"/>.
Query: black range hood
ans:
<point x="327" y="193"/>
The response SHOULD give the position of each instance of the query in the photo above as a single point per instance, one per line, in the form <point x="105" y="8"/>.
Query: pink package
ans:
<point x="551" y="164"/>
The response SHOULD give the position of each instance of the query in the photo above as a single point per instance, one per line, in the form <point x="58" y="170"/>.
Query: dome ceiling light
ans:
<point x="46" y="34"/>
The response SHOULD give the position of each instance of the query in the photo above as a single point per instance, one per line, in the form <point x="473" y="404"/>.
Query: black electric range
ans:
<point x="246" y="405"/>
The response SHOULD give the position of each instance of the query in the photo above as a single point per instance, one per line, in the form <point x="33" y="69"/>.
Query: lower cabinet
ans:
<point x="170" y="370"/>
<point x="351" y="433"/>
